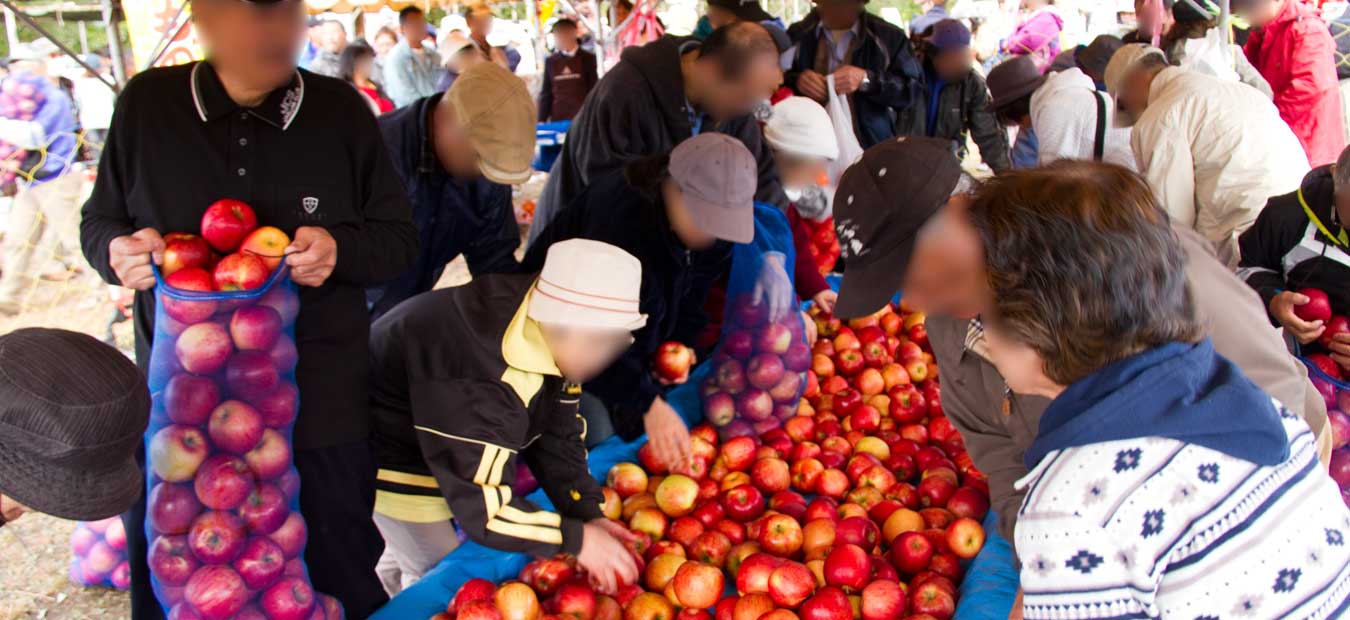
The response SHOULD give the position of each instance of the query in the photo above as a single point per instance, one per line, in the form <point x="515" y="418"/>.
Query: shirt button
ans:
<point x="243" y="116"/>
<point x="242" y="172"/>
<point x="243" y="142"/>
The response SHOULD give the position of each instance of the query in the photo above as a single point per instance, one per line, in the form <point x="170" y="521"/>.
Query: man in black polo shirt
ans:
<point x="305" y="152"/>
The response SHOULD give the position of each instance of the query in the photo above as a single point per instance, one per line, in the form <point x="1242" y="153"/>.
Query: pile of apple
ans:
<point x="1330" y="382"/>
<point x="862" y="506"/>
<point x="232" y="253"/>
<point x="100" y="554"/>
<point x="824" y="246"/>
<point x="759" y="371"/>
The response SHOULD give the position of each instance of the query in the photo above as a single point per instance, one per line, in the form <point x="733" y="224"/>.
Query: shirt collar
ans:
<point x="855" y="30"/>
<point x="279" y="109"/>
<point x="523" y="346"/>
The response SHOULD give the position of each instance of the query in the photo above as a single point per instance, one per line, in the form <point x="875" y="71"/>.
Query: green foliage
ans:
<point x="65" y="28"/>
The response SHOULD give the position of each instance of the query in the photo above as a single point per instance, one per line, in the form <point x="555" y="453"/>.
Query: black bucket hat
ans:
<point x="72" y="413"/>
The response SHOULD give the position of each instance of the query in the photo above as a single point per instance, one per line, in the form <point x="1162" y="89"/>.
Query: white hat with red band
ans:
<point x="589" y="284"/>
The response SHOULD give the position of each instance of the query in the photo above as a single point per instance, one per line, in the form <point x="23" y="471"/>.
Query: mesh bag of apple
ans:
<point x="1330" y="379"/>
<point x="863" y="505"/>
<point x="20" y="97"/>
<point x="99" y="554"/>
<point x="225" y="534"/>
<point x="760" y="363"/>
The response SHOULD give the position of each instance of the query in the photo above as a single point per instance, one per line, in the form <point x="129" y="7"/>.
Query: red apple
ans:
<point x="933" y="600"/>
<point x="752" y="576"/>
<point x="185" y="308"/>
<point x="216" y="592"/>
<point x="240" y="272"/>
<point x="216" y="537"/>
<point x="676" y="495"/>
<point x="739" y="345"/>
<point x="774" y="339"/>
<point x="1336" y="325"/>
<point x="698" y="585"/>
<point x="849" y="362"/>
<point x="290" y="599"/>
<point x="743" y="503"/>
<point x="858" y="531"/>
<point x="203" y="348"/>
<point x="753" y="607"/>
<point x="755" y="404"/>
<point x="478" y="610"/>
<point x="731" y="376"/>
<point x="936" y="491"/>
<point x="832" y="483"/>
<point x="790" y="584"/>
<point x="278" y="407"/>
<point x="271" y="458"/>
<point x="606" y="608"/>
<point x="267" y="243"/>
<point x="260" y="564"/>
<point x="255" y="328"/>
<point x="285" y="301"/>
<point x="822" y="366"/>
<point x="719" y="408"/>
<point x="226" y="223"/>
<point x="965" y="537"/>
<point x="1328" y="366"/>
<point x="184" y="251"/>
<point x="575" y="601"/>
<point x="1317" y="308"/>
<point x="172" y="508"/>
<point x="291" y="535"/>
<point x="171" y="560"/>
<point x="771" y="475"/>
<point x="672" y="361"/>
<point x="726" y="608"/>
<point x="969" y="503"/>
<point x="829" y="603"/>
<point x="223" y="482"/>
<point x="787" y="391"/>
<point x="911" y="553"/>
<point x="176" y="452"/>
<point x="251" y="375"/>
<point x="883" y="600"/>
<point x="264" y="510"/>
<point x="738" y="453"/>
<point x="235" y="427"/>
<point x="189" y="399"/>
<point x="781" y="535"/>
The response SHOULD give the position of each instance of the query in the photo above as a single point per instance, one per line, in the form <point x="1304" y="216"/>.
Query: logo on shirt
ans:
<point x="310" y="204"/>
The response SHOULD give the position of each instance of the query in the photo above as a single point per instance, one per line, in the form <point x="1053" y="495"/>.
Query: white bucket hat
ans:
<point x="802" y="127"/>
<point x="588" y="284"/>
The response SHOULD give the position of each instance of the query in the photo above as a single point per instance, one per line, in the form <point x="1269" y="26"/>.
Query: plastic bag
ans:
<point x="842" y="119"/>
<point x="225" y="533"/>
<point x="1330" y="382"/>
<point x="99" y="550"/>
<point x="759" y="366"/>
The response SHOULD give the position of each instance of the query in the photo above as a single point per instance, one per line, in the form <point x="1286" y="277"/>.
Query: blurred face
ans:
<point x="361" y="70"/>
<point x="414" y="29"/>
<point x="480" y="23"/>
<point x="839" y="14"/>
<point x="1133" y="97"/>
<point x="334" y="37"/>
<point x="725" y="98"/>
<point x="796" y="171"/>
<point x="681" y="220"/>
<point x="718" y="17"/>
<point x="1022" y="368"/>
<point x="582" y="354"/>
<point x="254" y="44"/>
<point x="946" y="273"/>
<point x="1261" y="12"/>
<point x="953" y="65"/>
<point x="565" y="38"/>
<point x="451" y="143"/>
<point x="384" y="43"/>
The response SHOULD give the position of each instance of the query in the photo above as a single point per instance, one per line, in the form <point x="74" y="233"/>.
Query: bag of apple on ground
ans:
<point x="99" y="554"/>
<point x="759" y="366"/>
<point x="225" y="534"/>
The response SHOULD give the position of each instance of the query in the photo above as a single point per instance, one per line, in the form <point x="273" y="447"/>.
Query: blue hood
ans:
<point x="1180" y="391"/>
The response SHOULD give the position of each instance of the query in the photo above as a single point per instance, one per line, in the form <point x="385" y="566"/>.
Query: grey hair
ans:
<point x="1340" y="173"/>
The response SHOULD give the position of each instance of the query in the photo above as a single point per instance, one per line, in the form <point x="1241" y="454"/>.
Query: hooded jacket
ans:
<point x="638" y="110"/>
<point x="675" y="284"/>
<point x="962" y="110"/>
<point x="1293" y="246"/>
<point x="1037" y="36"/>
<point x="1296" y="55"/>
<point x="1064" y="114"/>
<point x="892" y="69"/>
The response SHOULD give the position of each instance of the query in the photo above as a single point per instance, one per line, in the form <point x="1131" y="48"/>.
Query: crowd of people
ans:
<point x="1099" y="293"/>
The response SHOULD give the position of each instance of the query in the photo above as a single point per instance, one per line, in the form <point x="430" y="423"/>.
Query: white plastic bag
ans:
<point x="842" y="119"/>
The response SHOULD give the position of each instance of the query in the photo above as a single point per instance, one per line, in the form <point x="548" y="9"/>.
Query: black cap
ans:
<point x="1094" y="58"/>
<point x="72" y="412"/>
<point x="881" y="203"/>
<point x="744" y="10"/>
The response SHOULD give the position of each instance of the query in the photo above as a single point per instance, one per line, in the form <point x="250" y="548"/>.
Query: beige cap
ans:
<point x="499" y="116"/>
<point x="718" y="177"/>
<point x="1122" y="62"/>
<point x="589" y="284"/>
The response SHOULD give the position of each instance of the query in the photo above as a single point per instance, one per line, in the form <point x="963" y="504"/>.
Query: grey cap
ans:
<point x="718" y="176"/>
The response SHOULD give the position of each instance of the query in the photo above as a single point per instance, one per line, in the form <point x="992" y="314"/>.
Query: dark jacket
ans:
<point x="564" y="89"/>
<point x="638" y="110"/>
<point x="1286" y="250"/>
<point x="453" y="216"/>
<point x="963" y="109"/>
<point x="887" y="56"/>
<point x="675" y="283"/>
<point x="462" y="384"/>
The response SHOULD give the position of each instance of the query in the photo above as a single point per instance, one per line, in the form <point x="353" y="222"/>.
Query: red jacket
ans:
<point x="1296" y="54"/>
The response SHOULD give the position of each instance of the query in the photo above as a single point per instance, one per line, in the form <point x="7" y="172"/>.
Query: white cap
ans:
<point x="39" y="50"/>
<point x="589" y="284"/>
<point x="802" y="127"/>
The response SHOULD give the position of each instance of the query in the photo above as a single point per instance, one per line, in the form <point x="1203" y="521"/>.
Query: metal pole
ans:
<point x="11" y="29"/>
<point x="59" y="45"/>
<point x="1225" y="25"/>
<point x="536" y="34"/>
<point x="119" y="67"/>
<point x="167" y="38"/>
<point x="84" y="37"/>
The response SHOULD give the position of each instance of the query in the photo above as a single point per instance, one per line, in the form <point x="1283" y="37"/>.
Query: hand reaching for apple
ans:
<point x="132" y="256"/>
<point x="311" y="256"/>
<point x="825" y="300"/>
<point x="773" y="288"/>
<point x="668" y="434"/>
<point x="1282" y="308"/>
<point x="605" y="558"/>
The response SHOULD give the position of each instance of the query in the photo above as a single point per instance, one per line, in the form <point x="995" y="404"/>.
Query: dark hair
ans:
<point x="1012" y="112"/>
<point x="409" y="12"/>
<point x="1083" y="265"/>
<point x="385" y="31"/>
<point x="565" y="22"/>
<point x="647" y="174"/>
<point x="736" y="46"/>
<point x="352" y="54"/>
<point x="472" y="8"/>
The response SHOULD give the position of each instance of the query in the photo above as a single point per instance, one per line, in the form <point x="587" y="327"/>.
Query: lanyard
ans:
<point x="1340" y="240"/>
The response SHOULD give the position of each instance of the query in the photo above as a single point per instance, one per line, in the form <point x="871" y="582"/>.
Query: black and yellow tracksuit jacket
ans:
<point x="462" y="385"/>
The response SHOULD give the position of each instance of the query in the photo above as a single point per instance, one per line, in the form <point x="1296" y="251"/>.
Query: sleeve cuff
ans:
<point x="348" y="254"/>
<point x="572" y="531"/>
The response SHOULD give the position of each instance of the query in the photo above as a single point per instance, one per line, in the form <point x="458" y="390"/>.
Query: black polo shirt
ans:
<point x="309" y="155"/>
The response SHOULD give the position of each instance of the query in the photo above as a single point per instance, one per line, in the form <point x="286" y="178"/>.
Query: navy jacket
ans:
<point x="453" y="216"/>
<point x="887" y="56"/>
<point x="675" y="284"/>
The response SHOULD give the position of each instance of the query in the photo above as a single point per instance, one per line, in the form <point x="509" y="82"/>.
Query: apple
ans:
<point x="911" y="552"/>
<point x="291" y="535"/>
<point x="203" y="348"/>
<point x="797" y="358"/>
<point x="883" y="600"/>
<point x="739" y="345"/>
<point x="731" y="376"/>
<point x="223" y="482"/>
<point x="81" y="540"/>
<point x="255" y="328"/>
<point x="946" y="564"/>
<point x="743" y="503"/>
<point x="649" y="606"/>
<point x="933" y="600"/>
<point x="828" y="603"/>
<point x="226" y="223"/>
<point x="180" y="610"/>
<point x="278" y="407"/>
<point x="177" y="452"/>
<point x="771" y="475"/>
<point x="235" y="427"/>
<point x="781" y="535"/>
<point x="284" y="355"/>
<point x="264" y="510"/>
<point x="698" y="585"/>
<point x="847" y="567"/>
<point x="1336" y="325"/>
<point x="120" y="577"/>
<point x="606" y="608"/>
<point x="575" y="601"/>
<point x="171" y="508"/>
<point x="672" y="361"/>
<point x="832" y="483"/>
<point x="709" y="511"/>
<point x="719" y="408"/>
<point x="184" y="251"/>
<point x="651" y="521"/>
<point x="189" y="399"/>
<point x="936" y="491"/>
<point x="271" y="458"/>
<point x="753" y="606"/>
<point x="969" y="503"/>
<point x="285" y="301"/>
<point x="748" y="313"/>
<point x="676" y="494"/>
<point x="755" y="404"/>
<point x="790" y="584"/>
<point x="822" y="366"/>
<point x="267" y="243"/>
<point x="711" y="547"/>
<point x="831" y="459"/>
<point x="787" y="392"/>
<point x="251" y="374"/>
<point x="882" y="569"/>
<point x="517" y="601"/>
<point x="752" y="575"/>
<point x="858" y="531"/>
<point x="479" y="610"/>
<point x="185" y="308"/>
<point x="965" y="537"/>
<point x="899" y="522"/>
<point x="476" y="589"/>
<point x="240" y="272"/>
<point x="689" y="613"/>
<point x="774" y="339"/>
<point x="919" y="335"/>
<point x="683" y="532"/>
<point x="738" y="453"/>
<point x="1328" y="366"/>
<point x="216" y="592"/>
<point x="849" y="362"/>
<point x="216" y="537"/>
<point x="1317" y="308"/>
<point x="726" y="608"/>
<point x="260" y="564"/>
<point x="290" y="599"/>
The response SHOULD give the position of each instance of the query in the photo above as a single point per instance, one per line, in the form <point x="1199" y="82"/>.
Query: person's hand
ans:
<point x="1340" y="349"/>
<point x="668" y="434"/>
<point x="1016" y="613"/>
<point x="605" y="558"/>
<point x="848" y="79"/>
<point x="809" y="327"/>
<point x="311" y="256"/>
<point x="812" y="84"/>
<point x="132" y="256"/>
<point x="1282" y="308"/>
<point x="825" y="300"/>
<point x="773" y="288"/>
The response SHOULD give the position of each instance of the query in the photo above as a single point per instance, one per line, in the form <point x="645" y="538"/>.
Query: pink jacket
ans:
<point x="1036" y="36"/>
<point x="1296" y="54"/>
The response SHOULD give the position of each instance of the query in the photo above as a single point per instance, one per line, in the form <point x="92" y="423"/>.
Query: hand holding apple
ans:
<point x="130" y="257"/>
<point x="1284" y="308"/>
<point x="311" y="256"/>
<point x="604" y="556"/>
